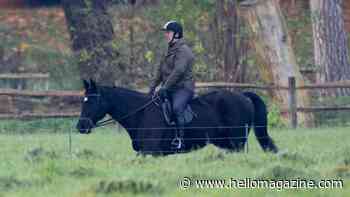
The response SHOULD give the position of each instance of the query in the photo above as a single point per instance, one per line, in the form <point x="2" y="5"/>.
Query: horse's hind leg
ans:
<point x="234" y="141"/>
<point x="240" y="137"/>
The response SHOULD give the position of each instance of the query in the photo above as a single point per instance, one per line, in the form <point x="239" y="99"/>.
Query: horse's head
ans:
<point x="93" y="108"/>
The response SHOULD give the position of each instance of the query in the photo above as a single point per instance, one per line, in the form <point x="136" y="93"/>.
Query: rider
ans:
<point x="175" y="74"/>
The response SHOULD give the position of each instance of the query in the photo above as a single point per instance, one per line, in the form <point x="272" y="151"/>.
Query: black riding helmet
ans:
<point x="174" y="27"/>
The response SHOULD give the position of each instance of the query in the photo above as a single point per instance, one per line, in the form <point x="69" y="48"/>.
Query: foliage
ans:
<point x="47" y="45"/>
<point x="275" y="120"/>
<point x="195" y="17"/>
<point x="332" y="118"/>
<point x="45" y="32"/>
<point x="42" y="38"/>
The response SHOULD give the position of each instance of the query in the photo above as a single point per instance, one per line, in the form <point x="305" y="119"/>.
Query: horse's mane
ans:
<point x="134" y="93"/>
<point x="125" y="91"/>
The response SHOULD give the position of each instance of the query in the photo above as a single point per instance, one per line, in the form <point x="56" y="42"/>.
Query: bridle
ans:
<point x="128" y="115"/>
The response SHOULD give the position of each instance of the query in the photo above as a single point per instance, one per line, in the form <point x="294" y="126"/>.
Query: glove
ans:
<point x="163" y="93"/>
<point x="151" y="92"/>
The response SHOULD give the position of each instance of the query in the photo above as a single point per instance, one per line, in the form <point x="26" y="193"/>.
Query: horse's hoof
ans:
<point x="177" y="143"/>
<point x="282" y="153"/>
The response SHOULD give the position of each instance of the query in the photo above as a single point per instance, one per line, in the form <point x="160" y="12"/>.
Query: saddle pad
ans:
<point x="169" y="116"/>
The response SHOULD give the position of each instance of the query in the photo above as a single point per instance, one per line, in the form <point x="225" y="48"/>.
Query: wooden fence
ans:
<point x="74" y="98"/>
<point x="19" y="81"/>
<point x="292" y="89"/>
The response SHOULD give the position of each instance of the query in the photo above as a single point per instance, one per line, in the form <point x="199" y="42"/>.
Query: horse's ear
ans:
<point x="86" y="84"/>
<point x="93" y="84"/>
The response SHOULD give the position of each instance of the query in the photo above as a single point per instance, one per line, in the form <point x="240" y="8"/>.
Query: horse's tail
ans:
<point x="260" y="123"/>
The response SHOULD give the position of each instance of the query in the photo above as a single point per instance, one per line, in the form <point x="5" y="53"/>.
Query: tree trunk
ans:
<point x="226" y="26"/>
<point x="330" y="43"/>
<point x="218" y="37"/>
<point x="293" y="8"/>
<point x="346" y="13"/>
<point x="131" y="17"/>
<point x="231" y="53"/>
<point x="92" y="36"/>
<point x="276" y="58"/>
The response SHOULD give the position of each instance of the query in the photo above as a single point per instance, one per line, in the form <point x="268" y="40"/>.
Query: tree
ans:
<point x="331" y="54"/>
<point x="276" y="59"/>
<point x="92" y="36"/>
<point x="293" y="8"/>
<point x="91" y="33"/>
<point x="226" y="25"/>
<point x="231" y="55"/>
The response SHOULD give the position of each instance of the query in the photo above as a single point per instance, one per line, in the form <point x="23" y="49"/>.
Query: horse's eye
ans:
<point x="85" y="99"/>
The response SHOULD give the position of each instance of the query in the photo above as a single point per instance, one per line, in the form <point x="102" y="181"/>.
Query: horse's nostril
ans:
<point x="84" y="125"/>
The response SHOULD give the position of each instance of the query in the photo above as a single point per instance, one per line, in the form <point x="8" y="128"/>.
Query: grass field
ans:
<point x="103" y="164"/>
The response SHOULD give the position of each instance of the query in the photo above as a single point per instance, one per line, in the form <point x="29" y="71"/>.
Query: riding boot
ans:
<point x="178" y="141"/>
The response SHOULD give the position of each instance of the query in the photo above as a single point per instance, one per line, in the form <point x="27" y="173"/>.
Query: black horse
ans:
<point x="223" y="119"/>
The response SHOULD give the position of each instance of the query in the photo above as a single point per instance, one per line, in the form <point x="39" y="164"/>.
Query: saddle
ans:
<point x="169" y="116"/>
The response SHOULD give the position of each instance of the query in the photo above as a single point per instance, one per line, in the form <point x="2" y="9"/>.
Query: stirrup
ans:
<point x="176" y="143"/>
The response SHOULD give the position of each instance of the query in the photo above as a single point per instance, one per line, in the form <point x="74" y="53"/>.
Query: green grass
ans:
<point x="104" y="164"/>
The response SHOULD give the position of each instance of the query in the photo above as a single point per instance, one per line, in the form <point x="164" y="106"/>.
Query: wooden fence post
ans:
<point x="292" y="102"/>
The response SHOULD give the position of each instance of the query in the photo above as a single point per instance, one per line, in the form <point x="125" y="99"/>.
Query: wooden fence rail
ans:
<point x="25" y="76"/>
<point x="292" y="89"/>
<point x="20" y="80"/>
<point x="238" y="85"/>
<point x="39" y="115"/>
<point x="12" y="92"/>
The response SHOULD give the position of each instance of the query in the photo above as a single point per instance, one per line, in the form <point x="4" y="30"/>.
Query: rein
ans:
<point x="111" y="121"/>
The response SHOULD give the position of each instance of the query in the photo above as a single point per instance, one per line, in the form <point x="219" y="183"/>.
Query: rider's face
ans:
<point x="168" y="35"/>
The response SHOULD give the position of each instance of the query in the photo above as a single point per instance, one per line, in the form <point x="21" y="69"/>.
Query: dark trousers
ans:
<point x="180" y="98"/>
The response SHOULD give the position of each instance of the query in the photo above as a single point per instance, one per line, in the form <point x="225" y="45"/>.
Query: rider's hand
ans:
<point x="151" y="92"/>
